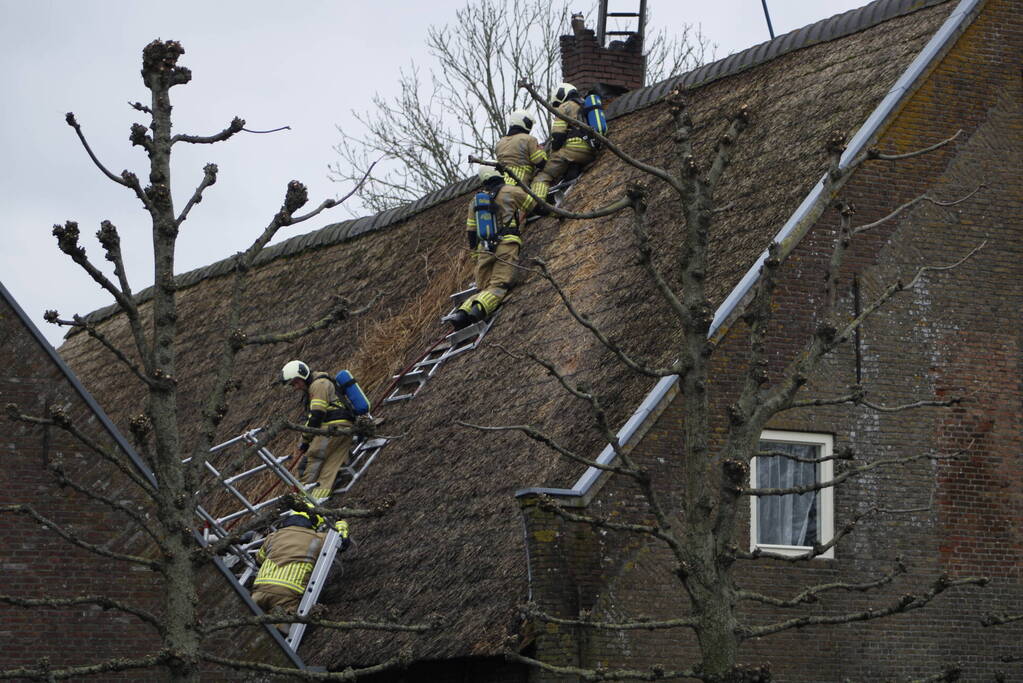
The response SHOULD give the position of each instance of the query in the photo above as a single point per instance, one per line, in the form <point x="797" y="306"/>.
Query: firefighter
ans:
<point x="570" y="146"/>
<point x="521" y="156"/>
<point x="287" y="558"/>
<point x="324" y="456"/>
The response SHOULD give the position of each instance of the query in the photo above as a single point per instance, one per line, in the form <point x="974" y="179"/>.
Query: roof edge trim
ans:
<point x="803" y="218"/>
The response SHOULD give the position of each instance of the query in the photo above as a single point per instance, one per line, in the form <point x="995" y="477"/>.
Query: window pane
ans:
<point x="790" y="519"/>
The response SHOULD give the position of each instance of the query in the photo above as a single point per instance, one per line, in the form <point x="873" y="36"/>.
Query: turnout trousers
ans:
<point x="576" y="151"/>
<point x="269" y="597"/>
<point x="325" y="457"/>
<point x="495" y="269"/>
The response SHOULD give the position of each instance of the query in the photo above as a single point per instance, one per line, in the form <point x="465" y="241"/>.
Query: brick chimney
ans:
<point x="610" y="71"/>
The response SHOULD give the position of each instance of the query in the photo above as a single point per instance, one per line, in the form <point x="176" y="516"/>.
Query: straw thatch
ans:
<point x="453" y="543"/>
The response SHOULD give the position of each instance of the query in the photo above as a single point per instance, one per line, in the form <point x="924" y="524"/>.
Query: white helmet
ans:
<point x="294" y="369"/>
<point x="488" y="172"/>
<point x="562" y="93"/>
<point x="522" y="119"/>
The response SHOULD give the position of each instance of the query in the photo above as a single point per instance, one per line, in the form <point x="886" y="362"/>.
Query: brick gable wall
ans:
<point x="958" y="334"/>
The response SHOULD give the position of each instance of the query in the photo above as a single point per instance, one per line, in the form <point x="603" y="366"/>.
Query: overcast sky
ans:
<point x="305" y="65"/>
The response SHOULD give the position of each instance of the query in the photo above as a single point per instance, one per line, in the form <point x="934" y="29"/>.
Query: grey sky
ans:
<point x="305" y="65"/>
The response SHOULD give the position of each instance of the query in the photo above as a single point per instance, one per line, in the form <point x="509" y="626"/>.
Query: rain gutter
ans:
<point x="798" y="224"/>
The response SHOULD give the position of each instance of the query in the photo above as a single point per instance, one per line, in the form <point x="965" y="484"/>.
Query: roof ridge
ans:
<point x="825" y="30"/>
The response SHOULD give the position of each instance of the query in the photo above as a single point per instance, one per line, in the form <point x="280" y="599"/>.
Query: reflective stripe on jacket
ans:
<point x="287" y="557"/>
<point x="519" y="154"/>
<point x="325" y="406"/>
<point x="573" y="111"/>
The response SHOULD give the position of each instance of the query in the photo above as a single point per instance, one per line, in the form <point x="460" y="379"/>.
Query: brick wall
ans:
<point x="960" y="333"/>
<point x="36" y="563"/>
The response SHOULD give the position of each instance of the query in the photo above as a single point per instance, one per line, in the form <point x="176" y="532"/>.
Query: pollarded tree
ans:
<point x="163" y="503"/>
<point x="700" y="524"/>
<point x="460" y="107"/>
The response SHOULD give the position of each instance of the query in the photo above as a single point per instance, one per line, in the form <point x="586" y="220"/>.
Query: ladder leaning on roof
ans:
<point x="243" y="554"/>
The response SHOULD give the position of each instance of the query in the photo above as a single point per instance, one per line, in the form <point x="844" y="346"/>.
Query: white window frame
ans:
<point x="825" y="496"/>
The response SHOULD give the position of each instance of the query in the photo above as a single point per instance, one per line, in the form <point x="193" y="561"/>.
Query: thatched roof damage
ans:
<point x="452" y="544"/>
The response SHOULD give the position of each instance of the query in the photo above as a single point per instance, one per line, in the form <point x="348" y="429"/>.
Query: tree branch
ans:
<point x="236" y="126"/>
<point x="806" y="488"/>
<point x="57" y="468"/>
<point x="43" y="672"/>
<point x="584" y="320"/>
<point x="126" y="179"/>
<point x="81" y="323"/>
<point x="875" y="154"/>
<point x="615" y="149"/>
<point x="71" y="537"/>
<point x="547" y="440"/>
<point x="350" y="674"/>
<point x="812" y="593"/>
<point x="60" y="419"/>
<point x="278" y="617"/>
<point x="654" y="673"/>
<point x="641" y="623"/>
<point x="209" y="177"/>
<point x="98" y="600"/>
<point x="910" y="204"/>
<point x="906" y="603"/>
<point x="549" y="504"/>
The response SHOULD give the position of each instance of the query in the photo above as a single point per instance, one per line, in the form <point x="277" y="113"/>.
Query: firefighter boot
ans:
<point x="476" y="313"/>
<point x="460" y="319"/>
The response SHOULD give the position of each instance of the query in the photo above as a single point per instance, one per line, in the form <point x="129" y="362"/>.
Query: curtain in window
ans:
<point x="790" y="519"/>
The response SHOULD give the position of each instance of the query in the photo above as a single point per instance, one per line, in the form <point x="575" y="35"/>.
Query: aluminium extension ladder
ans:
<point x="243" y="554"/>
<point x="408" y="384"/>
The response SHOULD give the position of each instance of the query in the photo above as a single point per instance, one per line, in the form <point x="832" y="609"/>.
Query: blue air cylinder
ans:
<point x="486" y="217"/>
<point x="353" y="392"/>
<point x="594" y="108"/>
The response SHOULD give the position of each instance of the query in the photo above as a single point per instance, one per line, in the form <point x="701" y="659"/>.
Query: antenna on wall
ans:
<point x="767" y="15"/>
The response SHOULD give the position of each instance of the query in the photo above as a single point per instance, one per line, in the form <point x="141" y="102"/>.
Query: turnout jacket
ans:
<point x="521" y="154"/>
<point x="573" y="136"/>
<point x="288" y="556"/>
<point x="325" y="407"/>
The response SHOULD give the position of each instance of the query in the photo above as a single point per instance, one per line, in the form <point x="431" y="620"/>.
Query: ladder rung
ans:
<point x="410" y="377"/>
<point x="619" y="33"/>
<point x="623" y="14"/>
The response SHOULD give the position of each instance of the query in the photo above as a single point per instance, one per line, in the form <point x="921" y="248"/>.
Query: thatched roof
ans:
<point x="453" y="543"/>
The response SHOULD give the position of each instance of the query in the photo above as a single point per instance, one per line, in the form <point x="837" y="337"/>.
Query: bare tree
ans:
<point x="168" y="491"/>
<point x="460" y="105"/>
<point x="702" y="532"/>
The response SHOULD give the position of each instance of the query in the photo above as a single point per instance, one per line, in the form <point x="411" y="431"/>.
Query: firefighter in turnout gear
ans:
<point x="287" y="558"/>
<point x="570" y="146"/>
<point x="325" y="456"/>
<point x="521" y="156"/>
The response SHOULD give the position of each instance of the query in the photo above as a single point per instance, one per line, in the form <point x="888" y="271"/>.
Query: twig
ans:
<point x="904" y="604"/>
<point x="71" y="537"/>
